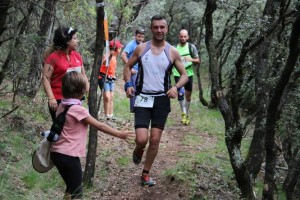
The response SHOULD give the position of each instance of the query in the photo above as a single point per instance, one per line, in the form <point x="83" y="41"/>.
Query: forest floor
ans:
<point x="125" y="183"/>
<point x="122" y="182"/>
<point x="177" y="172"/>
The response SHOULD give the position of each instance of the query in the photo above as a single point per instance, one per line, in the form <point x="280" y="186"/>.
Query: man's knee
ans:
<point x="181" y="94"/>
<point x="106" y="99"/>
<point x="154" y="142"/>
<point x="188" y="99"/>
<point x="141" y="142"/>
<point x="188" y="96"/>
<point x="153" y="146"/>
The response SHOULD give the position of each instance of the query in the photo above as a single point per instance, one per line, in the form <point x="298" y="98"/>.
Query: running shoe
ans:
<point x="147" y="180"/>
<point x="187" y="121"/>
<point x="137" y="157"/>
<point x="183" y="118"/>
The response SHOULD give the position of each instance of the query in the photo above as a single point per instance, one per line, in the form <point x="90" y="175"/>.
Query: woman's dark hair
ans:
<point x="62" y="36"/>
<point x="73" y="85"/>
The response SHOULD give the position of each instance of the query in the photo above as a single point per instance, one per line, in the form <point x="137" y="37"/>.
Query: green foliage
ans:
<point x="119" y="15"/>
<point x="192" y="139"/>
<point x="288" y="126"/>
<point x="121" y="107"/>
<point x="18" y="138"/>
<point x="123" y="162"/>
<point x="4" y="104"/>
<point x="103" y="168"/>
<point x="30" y="180"/>
<point x="183" y="172"/>
<point x="184" y="14"/>
<point x="81" y="15"/>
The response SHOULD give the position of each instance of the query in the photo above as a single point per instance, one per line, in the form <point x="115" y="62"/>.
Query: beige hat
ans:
<point x="41" y="161"/>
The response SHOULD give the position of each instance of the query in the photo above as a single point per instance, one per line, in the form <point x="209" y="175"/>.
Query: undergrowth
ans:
<point x="20" y="135"/>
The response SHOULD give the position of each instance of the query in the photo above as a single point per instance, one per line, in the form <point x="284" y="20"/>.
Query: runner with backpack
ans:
<point x="190" y="57"/>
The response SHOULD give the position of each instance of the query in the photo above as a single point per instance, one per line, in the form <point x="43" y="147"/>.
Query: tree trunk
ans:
<point x="272" y="111"/>
<point x="211" y="49"/>
<point x="201" y="97"/>
<point x="34" y="77"/>
<point x="137" y="8"/>
<point x="292" y="179"/>
<point x="256" y="152"/>
<point x="4" y="6"/>
<point x="232" y="134"/>
<point x="17" y="42"/>
<point x="93" y="99"/>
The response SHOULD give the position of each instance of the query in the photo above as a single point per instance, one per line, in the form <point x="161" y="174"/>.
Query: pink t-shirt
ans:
<point x="72" y="140"/>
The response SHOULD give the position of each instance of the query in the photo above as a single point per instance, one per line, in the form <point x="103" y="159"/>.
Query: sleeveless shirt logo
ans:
<point x="146" y="59"/>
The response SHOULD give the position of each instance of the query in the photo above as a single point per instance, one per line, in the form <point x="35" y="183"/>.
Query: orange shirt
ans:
<point x="111" y="69"/>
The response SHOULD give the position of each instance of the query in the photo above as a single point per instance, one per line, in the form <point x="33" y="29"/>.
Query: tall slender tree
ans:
<point x="93" y="98"/>
<point x="273" y="111"/>
<point x="33" y="79"/>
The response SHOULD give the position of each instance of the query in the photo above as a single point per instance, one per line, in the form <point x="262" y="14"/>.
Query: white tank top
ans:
<point x="154" y="72"/>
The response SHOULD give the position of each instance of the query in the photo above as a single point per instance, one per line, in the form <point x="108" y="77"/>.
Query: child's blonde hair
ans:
<point x="73" y="85"/>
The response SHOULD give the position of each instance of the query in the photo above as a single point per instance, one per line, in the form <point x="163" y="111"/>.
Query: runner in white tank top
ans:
<point x="153" y="91"/>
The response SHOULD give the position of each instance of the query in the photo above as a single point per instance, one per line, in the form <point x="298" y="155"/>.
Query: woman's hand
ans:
<point x="53" y="104"/>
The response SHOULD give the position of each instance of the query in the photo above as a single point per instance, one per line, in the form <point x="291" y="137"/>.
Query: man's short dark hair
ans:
<point x="157" y="17"/>
<point x="140" y="31"/>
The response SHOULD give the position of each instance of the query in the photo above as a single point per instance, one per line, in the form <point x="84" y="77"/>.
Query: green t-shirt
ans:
<point x="185" y="52"/>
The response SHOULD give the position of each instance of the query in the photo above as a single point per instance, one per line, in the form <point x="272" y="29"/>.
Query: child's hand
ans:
<point x="127" y="135"/>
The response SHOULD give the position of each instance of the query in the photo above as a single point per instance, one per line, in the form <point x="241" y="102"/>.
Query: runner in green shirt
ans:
<point x="189" y="56"/>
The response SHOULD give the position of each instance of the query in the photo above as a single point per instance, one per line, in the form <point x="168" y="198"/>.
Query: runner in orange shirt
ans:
<point x="108" y="84"/>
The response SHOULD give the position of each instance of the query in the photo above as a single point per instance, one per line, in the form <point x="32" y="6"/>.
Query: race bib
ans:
<point x="77" y="69"/>
<point x="185" y="62"/>
<point x="144" y="101"/>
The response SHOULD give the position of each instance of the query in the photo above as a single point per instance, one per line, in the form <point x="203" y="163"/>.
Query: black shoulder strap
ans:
<point x="59" y="121"/>
<point x="190" y="49"/>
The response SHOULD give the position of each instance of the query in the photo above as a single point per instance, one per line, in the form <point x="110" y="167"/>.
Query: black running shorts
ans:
<point x="157" y="115"/>
<point x="189" y="85"/>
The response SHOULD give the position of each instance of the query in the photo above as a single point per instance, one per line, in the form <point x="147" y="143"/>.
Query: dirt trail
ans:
<point x="124" y="183"/>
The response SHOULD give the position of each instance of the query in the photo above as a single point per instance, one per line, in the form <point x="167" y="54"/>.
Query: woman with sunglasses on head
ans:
<point x="62" y="57"/>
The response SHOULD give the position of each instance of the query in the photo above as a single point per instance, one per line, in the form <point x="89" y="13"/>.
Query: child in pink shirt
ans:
<point x="71" y="145"/>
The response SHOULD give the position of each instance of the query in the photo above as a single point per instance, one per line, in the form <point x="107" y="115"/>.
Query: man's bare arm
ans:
<point x="131" y="62"/>
<point x="124" y="57"/>
<point x="193" y="60"/>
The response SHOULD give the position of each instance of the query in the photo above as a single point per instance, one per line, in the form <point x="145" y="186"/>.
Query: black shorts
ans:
<point x="189" y="85"/>
<point x="157" y="115"/>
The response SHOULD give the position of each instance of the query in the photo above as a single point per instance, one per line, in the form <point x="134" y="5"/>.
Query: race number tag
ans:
<point x="144" y="101"/>
<point x="77" y="69"/>
<point x="185" y="62"/>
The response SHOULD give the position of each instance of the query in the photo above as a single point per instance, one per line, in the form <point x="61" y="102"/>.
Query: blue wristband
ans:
<point x="127" y="85"/>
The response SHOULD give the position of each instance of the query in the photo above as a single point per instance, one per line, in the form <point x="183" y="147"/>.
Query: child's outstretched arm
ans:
<point x="107" y="129"/>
